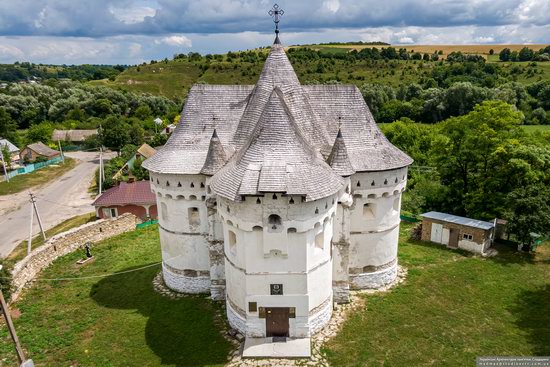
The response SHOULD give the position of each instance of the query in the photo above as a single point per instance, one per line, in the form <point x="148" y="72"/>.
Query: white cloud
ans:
<point x="406" y="40"/>
<point x="176" y="40"/>
<point x="8" y="53"/>
<point x="331" y="5"/>
<point x="132" y="15"/>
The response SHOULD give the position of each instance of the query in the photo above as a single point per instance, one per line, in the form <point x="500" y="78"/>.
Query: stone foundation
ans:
<point x="185" y="284"/>
<point x="340" y="292"/>
<point x="373" y="280"/>
<point x="321" y="318"/>
<point x="236" y="321"/>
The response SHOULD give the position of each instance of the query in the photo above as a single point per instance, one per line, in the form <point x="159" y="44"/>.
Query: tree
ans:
<point x="529" y="212"/>
<point x="526" y="54"/>
<point x="7" y="157"/>
<point x="505" y="54"/>
<point x="40" y="132"/>
<point x="143" y="112"/>
<point x="491" y="52"/>
<point x="115" y="133"/>
<point x="8" y="127"/>
<point x="469" y="156"/>
<point x="138" y="171"/>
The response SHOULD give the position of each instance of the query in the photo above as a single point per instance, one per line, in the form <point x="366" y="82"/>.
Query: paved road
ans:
<point x="57" y="201"/>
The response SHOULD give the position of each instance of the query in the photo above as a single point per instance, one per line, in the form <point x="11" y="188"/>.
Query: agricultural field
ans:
<point x="446" y="49"/>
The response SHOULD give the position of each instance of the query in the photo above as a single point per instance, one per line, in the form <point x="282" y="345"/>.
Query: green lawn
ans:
<point x="117" y="320"/>
<point x="36" y="178"/>
<point x="452" y="308"/>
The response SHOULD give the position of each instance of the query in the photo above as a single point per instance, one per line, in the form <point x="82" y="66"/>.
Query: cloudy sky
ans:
<point x="133" y="31"/>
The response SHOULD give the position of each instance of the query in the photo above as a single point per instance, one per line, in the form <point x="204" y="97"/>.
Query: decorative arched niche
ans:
<point x="274" y="223"/>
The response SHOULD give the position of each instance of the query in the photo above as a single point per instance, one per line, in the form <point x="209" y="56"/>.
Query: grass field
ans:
<point x="452" y="308"/>
<point x="36" y="178"/>
<point x="116" y="320"/>
<point x="174" y="78"/>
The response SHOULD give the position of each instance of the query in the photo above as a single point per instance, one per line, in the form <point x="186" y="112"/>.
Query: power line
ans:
<point x="96" y="276"/>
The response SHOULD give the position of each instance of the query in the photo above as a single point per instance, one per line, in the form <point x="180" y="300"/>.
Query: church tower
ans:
<point x="280" y="204"/>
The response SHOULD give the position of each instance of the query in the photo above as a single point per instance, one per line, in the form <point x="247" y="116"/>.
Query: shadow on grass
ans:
<point x="511" y="256"/>
<point x="181" y="332"/>
<point x="531" y="310"/>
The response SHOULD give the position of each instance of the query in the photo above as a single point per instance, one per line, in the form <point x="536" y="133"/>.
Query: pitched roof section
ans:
<point x="5" y="143"/>
<point x="444" y="217"/>
<point x="146" y="150"/>
<point x="368" y="148"/>
<point x="72" y="135"/>
<point x="338" y="159"/>
<point x="42" y="149"/>
<point x="277" y="72"/>
<point x="312" y="111"/>
<point x="276" y="158"/>
<point x="216" y="157"/>
<point x="137" y="193"/>
<point x="186" y="150"/>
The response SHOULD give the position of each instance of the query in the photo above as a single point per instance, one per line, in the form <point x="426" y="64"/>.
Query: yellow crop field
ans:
<point x="447" y="49"/>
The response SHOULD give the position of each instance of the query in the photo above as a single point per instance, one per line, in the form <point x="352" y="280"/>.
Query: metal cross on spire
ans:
<point x="276" y="13"/>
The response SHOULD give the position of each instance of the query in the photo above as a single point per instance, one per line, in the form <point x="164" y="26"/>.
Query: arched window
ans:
<point x="257" y="229"/>
<point x="291" y="230"/>
<point x="194" y="216"/>
<point x="274" y="221"/>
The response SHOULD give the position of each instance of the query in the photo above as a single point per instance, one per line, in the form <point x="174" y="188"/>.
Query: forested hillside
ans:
<point x="460" y="115"/>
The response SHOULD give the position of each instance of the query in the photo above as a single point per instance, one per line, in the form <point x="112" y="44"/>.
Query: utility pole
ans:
<point x="34" y="210"/>
<point x="11" y="328"/>
<point x="29" y="242"/>
<point x="100" y="170"/>
<point x="4" y="165"/>
<point x="61" y="150"/>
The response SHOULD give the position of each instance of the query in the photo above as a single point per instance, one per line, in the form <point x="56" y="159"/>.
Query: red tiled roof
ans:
<point x="127" y="193"/>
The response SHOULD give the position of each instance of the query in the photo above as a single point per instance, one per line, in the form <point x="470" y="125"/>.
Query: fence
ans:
<point x="147" y="224"/>
<point x="31" y="167"/>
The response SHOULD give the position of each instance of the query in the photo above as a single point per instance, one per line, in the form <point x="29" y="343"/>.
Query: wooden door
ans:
<point x="453" y="238"/>
<point x="276" y="321"/>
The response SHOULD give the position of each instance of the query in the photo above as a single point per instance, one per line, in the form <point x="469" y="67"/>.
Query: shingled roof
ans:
<point x="338" y="159"/>
<point x="42" y="149"/>
<point x="216" y="157"/>
<point x="276" y="158"/>
<point x="138" y="193"/>
<point x="310" y="112"/>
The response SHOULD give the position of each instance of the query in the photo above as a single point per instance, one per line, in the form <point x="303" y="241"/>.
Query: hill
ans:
<point x="313" y="64"/>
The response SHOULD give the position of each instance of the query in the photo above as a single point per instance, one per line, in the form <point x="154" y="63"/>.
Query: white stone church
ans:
<point x="278" y="198"/>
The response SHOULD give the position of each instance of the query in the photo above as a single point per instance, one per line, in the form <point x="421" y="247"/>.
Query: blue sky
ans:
<point x="133" y="31"/>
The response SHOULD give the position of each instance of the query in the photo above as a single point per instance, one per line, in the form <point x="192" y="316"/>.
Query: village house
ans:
<point x="39" y="150"/>
<point x="12" y="149"/>
<point x="143" y="152"/>
<point x="134" y="197"/>
<point x="73" y="136"/>
<point x="278" y="198"/>
<point x="457" y="232"/>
